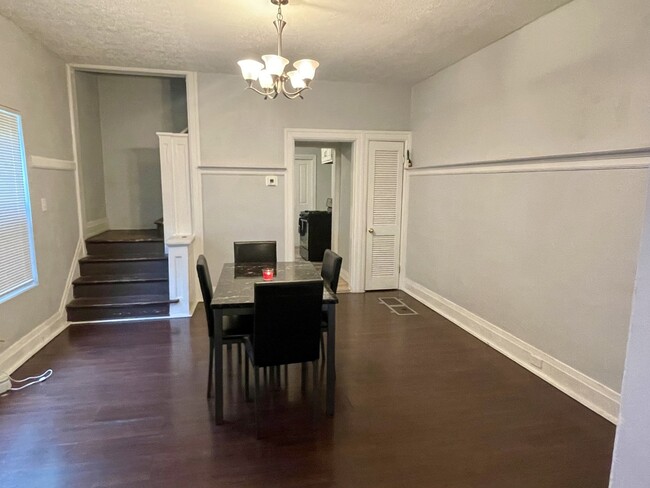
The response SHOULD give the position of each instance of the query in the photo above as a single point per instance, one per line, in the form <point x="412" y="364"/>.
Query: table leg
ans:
<point x="218" y="366"/>
<point x="331" y="358"/>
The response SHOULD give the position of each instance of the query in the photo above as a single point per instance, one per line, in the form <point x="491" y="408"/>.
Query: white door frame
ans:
<point x="359" y="140"/>
<point x="311" y="158"/>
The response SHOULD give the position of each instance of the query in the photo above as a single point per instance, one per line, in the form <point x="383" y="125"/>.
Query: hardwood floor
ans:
<point x="420" y="403"/>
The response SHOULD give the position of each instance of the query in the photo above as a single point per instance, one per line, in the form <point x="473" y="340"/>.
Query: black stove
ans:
<point x="315" y="228"/>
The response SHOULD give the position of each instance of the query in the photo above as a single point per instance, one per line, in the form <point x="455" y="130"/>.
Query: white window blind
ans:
<point x="17" y="262"/>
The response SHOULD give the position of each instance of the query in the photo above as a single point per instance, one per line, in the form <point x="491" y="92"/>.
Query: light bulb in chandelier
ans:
<point x="271" y="76"/>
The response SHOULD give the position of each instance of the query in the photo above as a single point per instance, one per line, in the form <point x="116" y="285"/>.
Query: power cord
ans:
<point x="31" y="379"/>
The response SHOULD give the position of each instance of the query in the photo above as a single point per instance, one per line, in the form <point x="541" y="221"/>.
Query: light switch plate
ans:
<point x="43" y="204"/>
<point x="271" y="181"/>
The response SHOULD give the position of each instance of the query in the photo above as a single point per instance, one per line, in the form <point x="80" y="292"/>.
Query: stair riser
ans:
<point x="124" y="248"/>
<point x="120" y="289"/>
<point x="113" y="313"/>
<point x="159" y="267"/>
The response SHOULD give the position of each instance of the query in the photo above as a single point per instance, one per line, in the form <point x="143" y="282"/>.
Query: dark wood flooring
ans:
<point x="420" y="403"/>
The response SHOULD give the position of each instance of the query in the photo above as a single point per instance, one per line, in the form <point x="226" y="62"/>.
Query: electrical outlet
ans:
<point x="271" y="181"/>
<point x="43" y="204"/>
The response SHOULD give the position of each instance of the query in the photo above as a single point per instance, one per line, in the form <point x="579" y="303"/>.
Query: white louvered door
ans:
<point x="385" y="172"/>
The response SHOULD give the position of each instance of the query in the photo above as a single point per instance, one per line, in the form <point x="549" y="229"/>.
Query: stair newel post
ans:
<point x="177" y="218"/>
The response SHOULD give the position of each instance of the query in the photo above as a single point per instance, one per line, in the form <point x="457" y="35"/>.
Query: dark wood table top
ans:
<point x="235" y="287"/>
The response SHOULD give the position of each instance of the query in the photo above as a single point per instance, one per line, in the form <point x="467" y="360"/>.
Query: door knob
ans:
<point x="371" y="230"/>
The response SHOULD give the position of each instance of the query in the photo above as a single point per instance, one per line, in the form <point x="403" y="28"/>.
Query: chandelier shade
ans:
<point x="271" y="76"/>
<point x="250" y="69"/>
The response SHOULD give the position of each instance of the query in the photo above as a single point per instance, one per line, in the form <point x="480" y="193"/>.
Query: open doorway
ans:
<point x="117" y="118"/>
<point x="322" y="188"/>
<point x="375" y="176"/>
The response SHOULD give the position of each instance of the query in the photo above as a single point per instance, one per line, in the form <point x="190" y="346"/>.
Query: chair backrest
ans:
<point x="331" y="269"/>
<point x="206" y="290"/>
<point x="287" y="322"/>
<point x="255" y="252"/>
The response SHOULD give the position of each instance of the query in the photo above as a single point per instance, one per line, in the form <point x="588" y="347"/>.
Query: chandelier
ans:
<point x="270" y="76"/>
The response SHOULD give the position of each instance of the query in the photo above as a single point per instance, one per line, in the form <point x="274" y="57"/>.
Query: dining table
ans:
<point x="235" y="295"/>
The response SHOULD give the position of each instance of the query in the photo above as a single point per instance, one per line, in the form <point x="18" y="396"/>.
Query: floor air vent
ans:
<point x="397" y="306"/>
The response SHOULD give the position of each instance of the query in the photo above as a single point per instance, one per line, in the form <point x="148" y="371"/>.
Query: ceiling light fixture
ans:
<point x="270" y="76"/>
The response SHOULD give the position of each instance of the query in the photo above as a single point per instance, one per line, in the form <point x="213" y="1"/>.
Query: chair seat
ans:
<point x="236" y="327"/>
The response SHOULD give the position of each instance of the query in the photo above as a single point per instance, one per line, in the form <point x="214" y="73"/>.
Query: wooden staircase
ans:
<point x="125" y="275"/>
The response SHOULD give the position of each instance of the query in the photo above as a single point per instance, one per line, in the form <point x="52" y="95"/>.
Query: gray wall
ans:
<point x="240" y="208"/>
<point x="239" y="128"/>
<point x="33" y="81"/>
<point x="90" y="157"/>
<point x="133" y="109"/>
<point x="632" y="448"/>
<point x="549" y="256"/>
<point x="573" y="81"/>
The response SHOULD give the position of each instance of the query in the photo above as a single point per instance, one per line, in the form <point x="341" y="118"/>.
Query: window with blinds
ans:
<point x="17" y="260"/>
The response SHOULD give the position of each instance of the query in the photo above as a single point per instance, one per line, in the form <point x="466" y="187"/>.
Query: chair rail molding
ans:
<point x="41" y="162"/>
<point x="578" y="162"/>
<point x="592" y="394"/>
<point x="241" y="170"/>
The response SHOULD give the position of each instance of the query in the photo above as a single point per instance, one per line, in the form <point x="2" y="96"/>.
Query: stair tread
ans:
<point x="111" y="302"/>
<point x="141" y="235"/>
<point x="120" y="278"/>
<point x="110" y="258"/>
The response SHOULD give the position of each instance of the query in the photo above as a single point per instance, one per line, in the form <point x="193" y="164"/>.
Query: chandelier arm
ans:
<point x="295" y="94"/>
<point x="263" y="93"/>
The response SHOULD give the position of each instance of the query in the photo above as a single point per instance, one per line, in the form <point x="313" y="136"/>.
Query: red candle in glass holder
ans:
<point x="267" y="274"/>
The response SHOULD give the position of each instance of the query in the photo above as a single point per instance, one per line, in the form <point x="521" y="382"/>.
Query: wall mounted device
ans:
<point x="327" y="155"/>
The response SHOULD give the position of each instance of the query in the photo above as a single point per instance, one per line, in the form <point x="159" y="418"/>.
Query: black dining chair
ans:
<point x="235" y="328"/>
<point x="286" y="329"/>
<point x="261" y="252"/>
<point x="330" y="272"/>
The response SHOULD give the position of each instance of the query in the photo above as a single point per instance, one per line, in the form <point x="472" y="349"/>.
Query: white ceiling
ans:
<point x="382" y="41"/>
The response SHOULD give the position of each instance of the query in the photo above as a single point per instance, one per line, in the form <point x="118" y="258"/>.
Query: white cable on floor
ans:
<point x="33" y="380"/>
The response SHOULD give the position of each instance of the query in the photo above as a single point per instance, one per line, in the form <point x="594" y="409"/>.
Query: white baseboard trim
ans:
<point x="94" y="227"/>
<point x="20" y="351"/>
<point x="24" y="348"/>
<point x="592" y="394"/>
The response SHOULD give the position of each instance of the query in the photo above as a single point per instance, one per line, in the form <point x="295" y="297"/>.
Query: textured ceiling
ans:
<point x="354" y="40"/>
